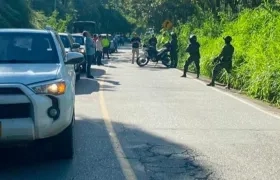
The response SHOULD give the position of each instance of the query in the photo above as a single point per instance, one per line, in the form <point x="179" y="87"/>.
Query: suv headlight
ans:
<point x="82" y="50"/>
<point x="56" y="88"/>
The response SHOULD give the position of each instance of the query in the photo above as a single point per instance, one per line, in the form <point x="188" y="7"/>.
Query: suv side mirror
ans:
<point x="75" y="45"/>
<point x="74" y="58"/>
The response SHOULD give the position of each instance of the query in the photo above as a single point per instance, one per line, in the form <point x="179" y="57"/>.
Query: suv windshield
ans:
<point x="65" y="40"/>
<point x="79" y="39"/>
<point x="25" y="47"/>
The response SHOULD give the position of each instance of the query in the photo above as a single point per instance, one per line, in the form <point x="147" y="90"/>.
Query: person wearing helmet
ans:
<point x="174" y="50"/>
<point x="225" y="61"/>
<point x="153" y="41"/>
<point x="193" y="50"/>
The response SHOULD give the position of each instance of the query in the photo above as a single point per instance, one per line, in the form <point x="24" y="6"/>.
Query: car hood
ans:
<point x="28" y="73"/>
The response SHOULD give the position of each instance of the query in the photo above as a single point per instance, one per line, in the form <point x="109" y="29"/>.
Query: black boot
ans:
<point x="212" y="83"/>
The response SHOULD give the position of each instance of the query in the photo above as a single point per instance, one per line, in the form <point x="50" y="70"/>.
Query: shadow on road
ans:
<point x="86" y="86"/>
<point x="152" y="67"/>
<point x="95" y="157"/>
<point x="97" y="72"/>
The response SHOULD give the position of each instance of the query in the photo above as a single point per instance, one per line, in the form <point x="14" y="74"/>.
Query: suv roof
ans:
<point x="12" y="30"/>
<point x="65" y="34"/>
<point x="77" y="34"/>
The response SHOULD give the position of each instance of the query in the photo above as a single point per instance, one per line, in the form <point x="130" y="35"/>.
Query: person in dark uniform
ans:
<point x="174" y="50"/>
<point x="193" y="50"/>
<point x="224" y="61"/>
<point x="153" y="41"/>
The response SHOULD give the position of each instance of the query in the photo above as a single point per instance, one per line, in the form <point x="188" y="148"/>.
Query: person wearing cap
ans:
<point x="224" y="61"/>
<point x="90" y="52"/>
<point x="136" y="41"/>
<point x="193" y="50"/>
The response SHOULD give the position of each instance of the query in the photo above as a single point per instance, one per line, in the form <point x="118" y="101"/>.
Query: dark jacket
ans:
<point x="193" y="49"/>
<point x="153" y="41"/>
<point x="227" y="53"/>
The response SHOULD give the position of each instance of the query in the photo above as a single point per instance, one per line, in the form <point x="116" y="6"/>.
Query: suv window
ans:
<point x="65" y="40"/>
<point x="61" y="45"/>
<point x="79" y="39"/>
<point x="71" y="39"/>
<point x="24" y="47"/>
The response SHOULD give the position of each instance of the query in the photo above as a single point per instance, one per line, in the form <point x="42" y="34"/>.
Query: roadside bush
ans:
<point x="256" y="37"/>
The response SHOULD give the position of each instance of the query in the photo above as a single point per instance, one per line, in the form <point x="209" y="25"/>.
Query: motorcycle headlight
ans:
<point x="57" y="88"/>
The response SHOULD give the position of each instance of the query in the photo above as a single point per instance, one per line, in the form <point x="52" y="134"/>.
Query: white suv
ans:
<point x="37" y="90"/>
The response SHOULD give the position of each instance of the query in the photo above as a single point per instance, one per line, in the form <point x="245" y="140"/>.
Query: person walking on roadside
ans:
<point x="106" y="45"/>
<point x="224" y="61"/>
<point x="193" y="50"/>
<point x="90" y="52"/>
<point x="174" y="51"/>
<point x="136" y="41"/>
<point x="99" y="50"/>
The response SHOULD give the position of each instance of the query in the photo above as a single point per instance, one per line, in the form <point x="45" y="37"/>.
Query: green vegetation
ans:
<point x="60" y="15"/>
<point x="256" y="61"/>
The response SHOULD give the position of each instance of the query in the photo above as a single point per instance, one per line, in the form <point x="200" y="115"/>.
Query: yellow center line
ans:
<point x="124" y="163"/>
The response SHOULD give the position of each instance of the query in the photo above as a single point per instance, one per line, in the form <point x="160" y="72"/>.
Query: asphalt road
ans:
<point x="148" y="123"/>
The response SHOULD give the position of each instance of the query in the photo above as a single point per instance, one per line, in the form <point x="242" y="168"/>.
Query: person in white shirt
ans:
<point x="99" y="50"/>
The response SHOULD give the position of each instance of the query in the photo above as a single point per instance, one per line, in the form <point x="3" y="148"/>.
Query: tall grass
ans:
<point x="256" y="38"/>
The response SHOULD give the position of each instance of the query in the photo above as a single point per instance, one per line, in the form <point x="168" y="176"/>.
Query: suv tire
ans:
<point x="62" y="144"/>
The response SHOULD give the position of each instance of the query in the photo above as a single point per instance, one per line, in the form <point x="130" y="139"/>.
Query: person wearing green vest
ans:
<point x="106" y="44"/>
<point x="164" y="38"/>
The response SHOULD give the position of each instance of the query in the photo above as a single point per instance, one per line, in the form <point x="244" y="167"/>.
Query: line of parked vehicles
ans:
<point x="75" y="43"/>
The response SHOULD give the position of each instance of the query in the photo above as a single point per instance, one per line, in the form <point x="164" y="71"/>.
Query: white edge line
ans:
<point x="239" y="99"/>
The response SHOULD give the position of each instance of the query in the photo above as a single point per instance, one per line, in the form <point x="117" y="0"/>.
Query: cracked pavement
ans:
<point x="169" y="128"/>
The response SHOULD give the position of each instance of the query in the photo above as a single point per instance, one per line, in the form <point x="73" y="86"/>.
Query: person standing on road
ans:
<point x="90" y="52"/>
<point x="174" y="51"/>
<point x="164" y="39"/>
<point x="106" y="46"/>
<point x="225" y="61"/>
<point x="99" y="50"/>
<point x="115" y="41"/>
<point x="193" y="50"/>
<point x="153" y="41"/>
<point x="94" y="41"/>
<point x="136" y="41"/>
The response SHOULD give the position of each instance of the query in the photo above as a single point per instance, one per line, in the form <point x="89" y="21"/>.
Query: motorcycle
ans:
<point x="152" y="54"/>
